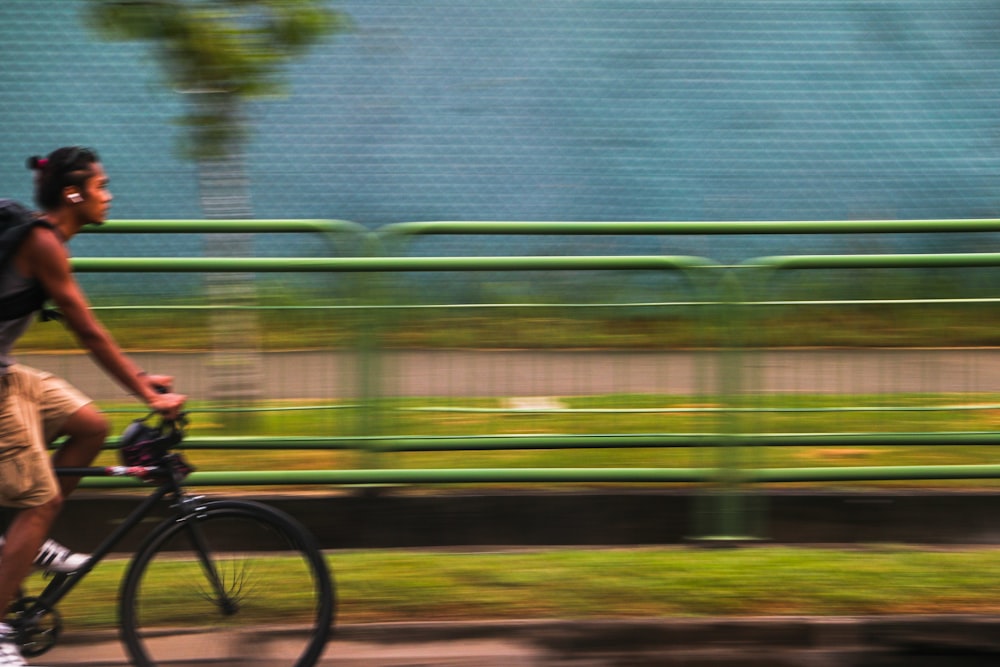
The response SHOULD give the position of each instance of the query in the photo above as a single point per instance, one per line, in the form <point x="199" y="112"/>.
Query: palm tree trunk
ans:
<point x="235" y="366"/>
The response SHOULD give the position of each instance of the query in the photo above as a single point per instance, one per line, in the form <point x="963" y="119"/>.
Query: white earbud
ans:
<point x="74" y="198"/>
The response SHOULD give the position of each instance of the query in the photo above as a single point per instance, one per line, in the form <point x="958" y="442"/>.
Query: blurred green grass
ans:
<point x="401" y="585"/>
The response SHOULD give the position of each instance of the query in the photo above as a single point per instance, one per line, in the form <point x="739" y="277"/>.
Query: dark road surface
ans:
<point x="967" y="641"/>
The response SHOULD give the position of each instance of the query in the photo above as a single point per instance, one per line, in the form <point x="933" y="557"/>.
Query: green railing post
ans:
<point x="370" y="367"/>
<point x="725" y="514"/>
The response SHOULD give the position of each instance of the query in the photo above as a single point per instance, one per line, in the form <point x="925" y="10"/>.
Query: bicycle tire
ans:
<point x="280" y="597"/>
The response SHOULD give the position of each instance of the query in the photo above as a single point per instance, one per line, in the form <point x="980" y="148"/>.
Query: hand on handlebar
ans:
<point x="168" y="405"/>
<point x="164" y="401"/>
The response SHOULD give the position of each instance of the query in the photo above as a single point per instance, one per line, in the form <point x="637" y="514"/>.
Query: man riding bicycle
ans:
<point x="36" y="408"/>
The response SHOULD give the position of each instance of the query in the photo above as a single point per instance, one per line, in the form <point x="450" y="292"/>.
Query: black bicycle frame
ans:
<point x="63" y="583"/>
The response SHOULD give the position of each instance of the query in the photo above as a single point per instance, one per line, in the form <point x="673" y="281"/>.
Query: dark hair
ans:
<point x="63" y="168"/>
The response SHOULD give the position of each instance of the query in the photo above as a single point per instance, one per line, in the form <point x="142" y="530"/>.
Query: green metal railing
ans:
<point x="370" y="394"/>
<point x="725" y="291"/>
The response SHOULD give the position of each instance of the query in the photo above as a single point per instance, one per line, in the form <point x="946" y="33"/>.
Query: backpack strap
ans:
<point x="17" y="222"/>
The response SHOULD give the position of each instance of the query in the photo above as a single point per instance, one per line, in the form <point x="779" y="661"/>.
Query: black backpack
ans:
<point x="16" y="222"/>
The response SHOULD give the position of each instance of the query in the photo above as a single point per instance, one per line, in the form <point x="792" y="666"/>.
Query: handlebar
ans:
<point x="146" y="449"/>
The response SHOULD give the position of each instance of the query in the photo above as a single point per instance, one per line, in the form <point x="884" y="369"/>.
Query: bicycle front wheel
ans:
<point x="236" y="584"/>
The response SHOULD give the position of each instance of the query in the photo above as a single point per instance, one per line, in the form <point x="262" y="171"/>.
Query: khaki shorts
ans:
<point x="33" y="407"/>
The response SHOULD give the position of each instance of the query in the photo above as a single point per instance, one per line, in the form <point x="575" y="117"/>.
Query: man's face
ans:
<point x="96" y="196"/>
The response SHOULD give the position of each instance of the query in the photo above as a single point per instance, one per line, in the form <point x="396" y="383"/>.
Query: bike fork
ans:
<point x="221" y="597"/>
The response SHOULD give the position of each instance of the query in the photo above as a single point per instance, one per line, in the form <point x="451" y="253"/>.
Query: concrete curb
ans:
<point x="972" y="633"/>
<point x="887" y="641"/>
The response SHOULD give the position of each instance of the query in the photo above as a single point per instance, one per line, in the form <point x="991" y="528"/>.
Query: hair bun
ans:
<point x="37" y="163"/>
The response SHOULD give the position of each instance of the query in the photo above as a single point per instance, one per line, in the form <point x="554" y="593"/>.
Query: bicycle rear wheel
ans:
<point x="236" y="584"/>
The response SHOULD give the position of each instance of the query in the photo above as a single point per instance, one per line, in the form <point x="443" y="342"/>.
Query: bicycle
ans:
<point x="234" y="582"/>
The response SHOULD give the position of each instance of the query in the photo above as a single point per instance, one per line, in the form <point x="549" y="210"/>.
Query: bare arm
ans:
<point x="45" y="258"/>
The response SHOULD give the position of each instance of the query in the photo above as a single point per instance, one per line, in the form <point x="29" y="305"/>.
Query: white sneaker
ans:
<point x="10" y="652"/>
<point x="54" y="557"/>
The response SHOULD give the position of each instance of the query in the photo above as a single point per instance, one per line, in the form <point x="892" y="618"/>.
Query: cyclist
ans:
<point x="71" y="188"/>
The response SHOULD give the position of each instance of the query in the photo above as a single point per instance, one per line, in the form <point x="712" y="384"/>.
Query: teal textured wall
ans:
<point x="556" y="109"/>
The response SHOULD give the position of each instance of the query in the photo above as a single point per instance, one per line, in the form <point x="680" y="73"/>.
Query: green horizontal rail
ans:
<point x="565" y="475"/>
<point x="432" y="476"/>
<point x="589" y="441"/>
<point x="499" y="227"/>
<point x="362" y="264"/>
<point x="902" y="261"/>
<point x="677" y="440"/>
<point x="687" y="228"/>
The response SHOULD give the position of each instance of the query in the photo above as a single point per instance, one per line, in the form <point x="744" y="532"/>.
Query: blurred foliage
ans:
<point x="319" y="327"/>
<point x="221" y="52"/>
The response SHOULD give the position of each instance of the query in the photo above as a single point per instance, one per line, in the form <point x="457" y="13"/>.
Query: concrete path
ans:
<point x="334" y="375"/>
<point x="959" y="641"/>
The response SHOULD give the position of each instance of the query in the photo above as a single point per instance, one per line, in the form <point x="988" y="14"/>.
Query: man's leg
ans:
<point x="27" y="483"/>
<point x="24" y="537"/>
<point x="86" y="430"/>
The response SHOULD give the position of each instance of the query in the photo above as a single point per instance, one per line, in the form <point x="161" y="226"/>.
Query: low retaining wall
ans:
<point x="392" y="518"/>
